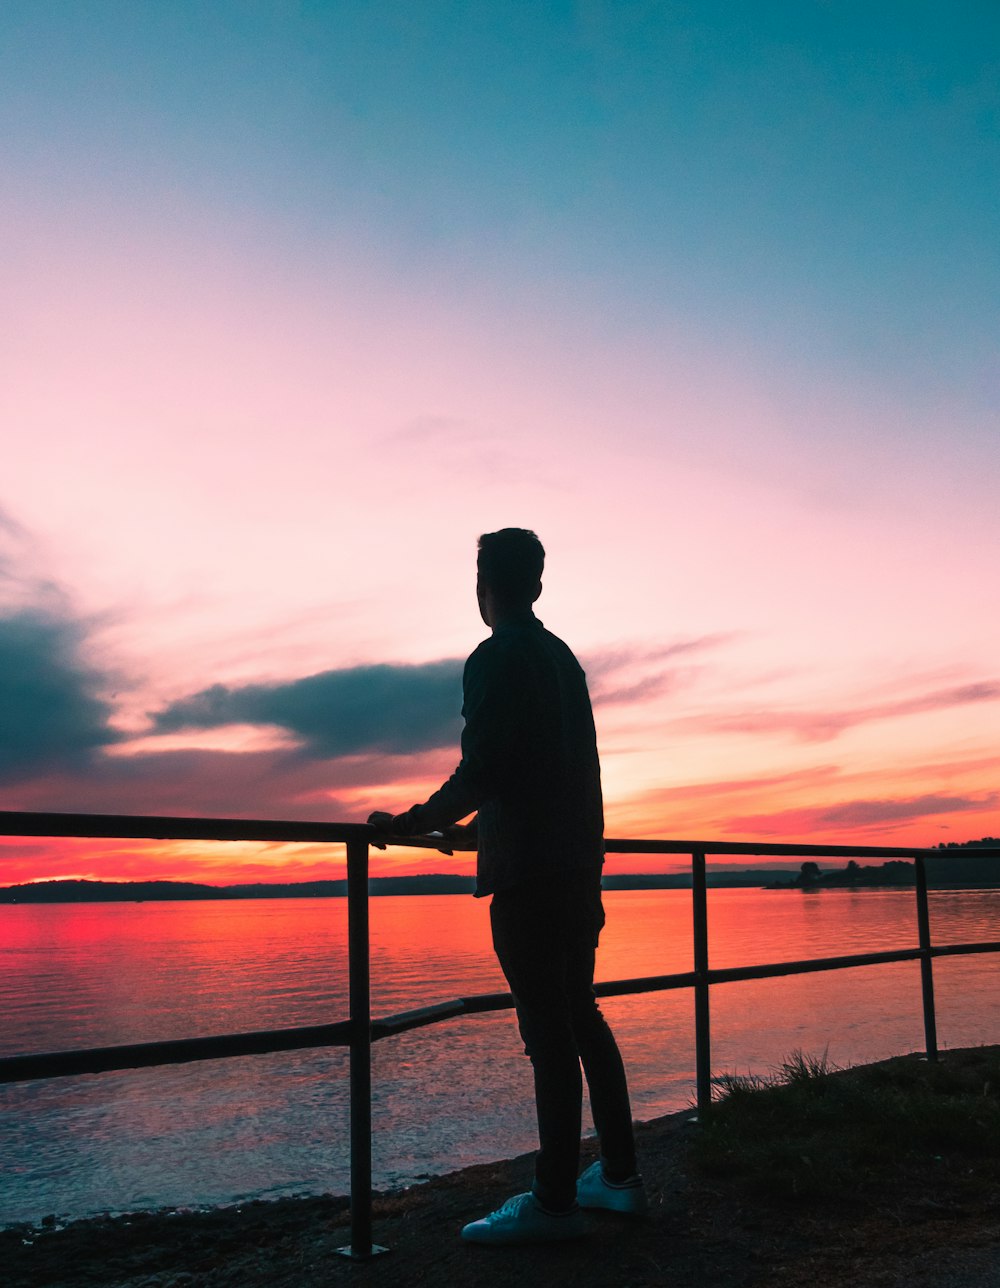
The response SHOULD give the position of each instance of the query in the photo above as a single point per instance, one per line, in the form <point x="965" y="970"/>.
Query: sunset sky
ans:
<point x="298" y="299"/>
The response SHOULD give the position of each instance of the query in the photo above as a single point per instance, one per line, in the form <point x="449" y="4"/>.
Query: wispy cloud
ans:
<point x="423" y="431"/>
<point x="860" y="815"/>
<point x="874" y="812"/>
<point x="262" y="783"/>
<point x="465" y="449"/>
<point x="626" y="675"/>
<point x="823" y="725"/>
<point x="209" y="783"/>
<point x="9" y="528"/>
<point x="725" y="788"/>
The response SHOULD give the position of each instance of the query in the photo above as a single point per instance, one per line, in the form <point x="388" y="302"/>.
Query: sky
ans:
<point x="299" y="299"/>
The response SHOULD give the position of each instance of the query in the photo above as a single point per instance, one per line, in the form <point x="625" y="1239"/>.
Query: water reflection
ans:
<point x="85" y="975"/>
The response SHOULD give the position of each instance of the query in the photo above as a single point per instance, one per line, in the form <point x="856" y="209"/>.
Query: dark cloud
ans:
<point x="396" y="709"/>
<point x="52" y="714"/>
<point x="383" y="708"/>
<point x="822" y="726"/>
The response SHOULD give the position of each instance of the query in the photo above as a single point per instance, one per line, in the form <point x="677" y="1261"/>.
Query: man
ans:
<point x="530" y="767"/>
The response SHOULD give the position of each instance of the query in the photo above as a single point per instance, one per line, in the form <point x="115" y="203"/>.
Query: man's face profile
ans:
<point x="484" y="598"/>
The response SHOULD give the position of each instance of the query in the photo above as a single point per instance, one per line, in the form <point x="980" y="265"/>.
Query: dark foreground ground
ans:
<point x="929" y="1219"/>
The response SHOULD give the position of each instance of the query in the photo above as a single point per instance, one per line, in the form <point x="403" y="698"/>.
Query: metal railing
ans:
<point x="359" y="1031"/>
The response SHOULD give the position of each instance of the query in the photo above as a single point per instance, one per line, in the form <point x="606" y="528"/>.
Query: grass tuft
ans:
<point x="812" y="1131"/>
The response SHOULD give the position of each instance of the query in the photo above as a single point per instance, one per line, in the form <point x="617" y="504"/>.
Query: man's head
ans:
<point x="510" y="572"/>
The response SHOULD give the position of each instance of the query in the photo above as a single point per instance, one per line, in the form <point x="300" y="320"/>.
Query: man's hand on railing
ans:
<point x="462" y="836"/>
<point x="457" y="835"/>
<point x="381" y="820"/>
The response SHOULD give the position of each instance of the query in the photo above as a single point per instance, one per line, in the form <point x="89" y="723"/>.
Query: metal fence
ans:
<point x="359" y="1031"/>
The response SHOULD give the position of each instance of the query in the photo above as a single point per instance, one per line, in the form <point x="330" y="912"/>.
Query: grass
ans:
<point x="813" y="1132"/>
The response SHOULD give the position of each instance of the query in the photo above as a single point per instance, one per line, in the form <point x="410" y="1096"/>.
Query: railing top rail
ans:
<point x="797" y="849"/>
<point x="180" y="828"/>
<point x="170" y="828"/>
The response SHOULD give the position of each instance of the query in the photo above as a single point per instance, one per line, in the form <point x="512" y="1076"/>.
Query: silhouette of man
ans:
<point x="530" y="767"/>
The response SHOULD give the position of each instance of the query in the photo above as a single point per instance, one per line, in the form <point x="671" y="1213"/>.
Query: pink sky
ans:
<point x="228" y="475"/>
<point x="251" y="438"/>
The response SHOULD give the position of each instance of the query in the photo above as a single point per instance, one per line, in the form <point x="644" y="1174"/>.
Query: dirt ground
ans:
<point x="925" y="1231"/>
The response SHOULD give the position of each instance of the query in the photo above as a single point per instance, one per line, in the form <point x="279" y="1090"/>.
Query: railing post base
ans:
<point x="347" y="1251"/>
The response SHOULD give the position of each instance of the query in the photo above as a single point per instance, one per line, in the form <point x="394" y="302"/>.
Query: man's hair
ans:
<point x="510" y="563"/>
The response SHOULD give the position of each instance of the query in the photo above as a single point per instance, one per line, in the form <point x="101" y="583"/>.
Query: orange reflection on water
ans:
<point x="87" y="975"/>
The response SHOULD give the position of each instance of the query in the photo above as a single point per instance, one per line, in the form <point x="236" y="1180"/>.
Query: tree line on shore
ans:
<point x="957" y="865"/>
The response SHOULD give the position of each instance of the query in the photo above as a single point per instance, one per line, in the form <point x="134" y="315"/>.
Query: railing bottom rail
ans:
<point x="144" y="1055"/>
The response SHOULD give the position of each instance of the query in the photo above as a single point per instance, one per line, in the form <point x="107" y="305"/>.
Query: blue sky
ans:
<point x="695" y="148"/>
<point x="814" y="187"/>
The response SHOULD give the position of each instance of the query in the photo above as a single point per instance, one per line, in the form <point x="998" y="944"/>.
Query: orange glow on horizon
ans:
<point x="669" y="815"/>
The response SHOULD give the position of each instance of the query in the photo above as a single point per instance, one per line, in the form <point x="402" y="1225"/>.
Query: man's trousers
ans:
<point x="545" y="937"/>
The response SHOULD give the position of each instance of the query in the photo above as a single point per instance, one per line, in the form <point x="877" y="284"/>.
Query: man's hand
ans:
<point x="456" y="836"/>
<point x="463" y="836"/>
<point x="383" y="822"/>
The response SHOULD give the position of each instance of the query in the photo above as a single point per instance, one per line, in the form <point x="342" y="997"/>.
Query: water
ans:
<point x="229" y="1130"/>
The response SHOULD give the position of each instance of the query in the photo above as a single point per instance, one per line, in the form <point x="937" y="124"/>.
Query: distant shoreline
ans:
<point x="82" y="891"/>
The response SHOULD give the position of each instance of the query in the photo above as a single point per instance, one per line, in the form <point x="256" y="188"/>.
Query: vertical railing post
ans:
<point x="702" y="1022"/>
<point x="926" y="961"/>
<point x="361" y="1247"/>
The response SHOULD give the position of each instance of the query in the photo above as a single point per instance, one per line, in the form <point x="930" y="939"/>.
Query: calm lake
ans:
<point x="80" y="975"/>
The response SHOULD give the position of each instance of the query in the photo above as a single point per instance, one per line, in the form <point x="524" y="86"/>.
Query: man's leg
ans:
<point x="602" y="1063"/>
<point x="529" y="935"/>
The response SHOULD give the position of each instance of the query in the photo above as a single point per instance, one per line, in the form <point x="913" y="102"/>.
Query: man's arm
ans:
<point x="490" y="711"/>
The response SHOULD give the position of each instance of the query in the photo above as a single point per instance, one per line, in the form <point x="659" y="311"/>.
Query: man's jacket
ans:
<point x="529" y="763"/>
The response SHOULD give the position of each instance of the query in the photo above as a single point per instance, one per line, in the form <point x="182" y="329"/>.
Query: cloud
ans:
<point x="52" y="713"/>
<point x="471" y="451"/>
<point x="200" y="783"/>
<point x="873" y="814"/>
<point x="22" y="584"/>
<point x="867" y="813"/>
<point x="823" y="726"/>
<point x="423" y="431"/>
<point x="274" y="783"/>
<point x="626" y="675"/>
<point x="723" y="788"/>
<point x="381" y="708"/>
<point x="394" y="709"/>
<point x="9" y="528"/>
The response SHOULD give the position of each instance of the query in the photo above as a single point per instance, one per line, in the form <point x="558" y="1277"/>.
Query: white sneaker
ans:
<point x="522" y="1219"/>
<point x="594" y="1190"/>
